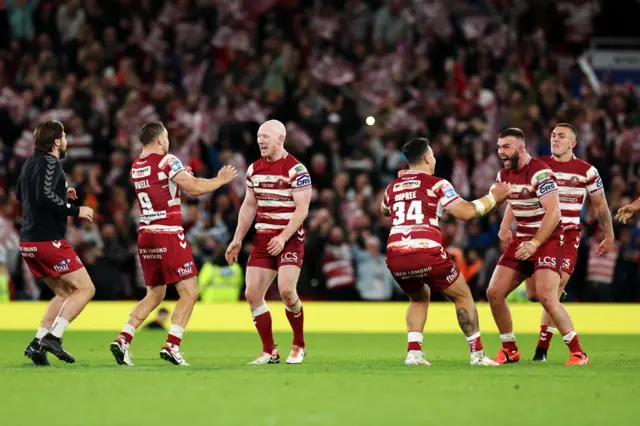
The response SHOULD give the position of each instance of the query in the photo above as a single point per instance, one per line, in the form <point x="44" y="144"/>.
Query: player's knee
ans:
<point x="252" y="295"/>
<point x="289" y="296"/>
<point x="532" y="295"/>
<point x="495" y="294"/>
<point x="548" y="300"/>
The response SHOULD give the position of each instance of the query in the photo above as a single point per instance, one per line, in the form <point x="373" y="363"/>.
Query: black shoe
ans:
<point x="540" y="355"/>
<point x="53" y="344"/>
<point x="36" y="354"/>
<point x="563" y="296"/>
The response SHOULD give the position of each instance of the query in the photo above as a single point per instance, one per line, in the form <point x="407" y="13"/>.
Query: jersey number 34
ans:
<point x="413" y="213"/>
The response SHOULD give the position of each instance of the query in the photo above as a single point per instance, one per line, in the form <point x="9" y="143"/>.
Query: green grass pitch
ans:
<point x="347" y="379"/>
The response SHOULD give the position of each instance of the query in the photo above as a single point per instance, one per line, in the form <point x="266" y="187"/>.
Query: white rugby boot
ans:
<point x="120" y="351"/>
<point x="267" y="358"/>
<point x="172" y="354"/>
<point x="297" y="355"/>
<point x="416" y="358"/>
<point x="479" y="358"/>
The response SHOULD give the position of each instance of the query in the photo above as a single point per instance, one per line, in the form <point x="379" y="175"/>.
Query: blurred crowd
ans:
<point x="351" y="79"/>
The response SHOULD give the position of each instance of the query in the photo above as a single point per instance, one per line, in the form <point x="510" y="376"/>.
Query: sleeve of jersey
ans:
<point x="46" y="181"/>
<point x="544" y="182"/>
<point x="385" y="201"/>
<point x="171" y="166"/>
<point x="446" y="193"/>
<point x="249" y="181"/>
<point x="299" y="177"/>
<point x="594" y="181"/>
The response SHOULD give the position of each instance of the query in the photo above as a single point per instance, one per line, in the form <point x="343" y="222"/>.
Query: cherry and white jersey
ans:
<point x="529" y="185"/>
<point x="415" y="202"/>
<point x="576" y="179"/>
<point x="158" y="195"/>
<point x="273" y="183"/>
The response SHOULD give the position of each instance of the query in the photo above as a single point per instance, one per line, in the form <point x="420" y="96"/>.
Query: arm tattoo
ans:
<point x="604" y="218"/>
<point x="468" y="321"/>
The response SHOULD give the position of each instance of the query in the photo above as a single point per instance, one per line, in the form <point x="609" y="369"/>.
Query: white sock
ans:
<point x="129" y="329"/>
<point x="59" y="326"/>
<point x="260" y="310"/>
<point x="472" y="339"/>
<point x="415" y="336"/>
<point x="176" y="330"/>
<point x="295" y="308"/>
<point x="551" y="330"/>
<point x="569" y="337"/>
<point x="508" y="337"/>
<point x="41" y="332"/>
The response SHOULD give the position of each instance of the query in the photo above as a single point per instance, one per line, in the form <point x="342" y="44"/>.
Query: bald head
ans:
<point x="274" y="127"/>
<point x="271" y="137"/>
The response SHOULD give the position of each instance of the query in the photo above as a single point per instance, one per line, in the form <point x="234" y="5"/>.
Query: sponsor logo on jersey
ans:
<point x="542" y="176"/>
<point x="548" y="261"/>
<point x="187" y="269"/>
<point x="300" y="169"/>
<point x="176" y="165"/>
<point x="140" y="173"/>
<point x="289" y="257"/>
<point x="568" y="199"/>
<point x="453" y="275"/>
<point x="450" y="193"/>
<point x="303" y="180"/>
<point x="599" y="182"/>
<point x="410" y="184"/>
<point x="62" y="266"/>
<point x="547" y="187"/>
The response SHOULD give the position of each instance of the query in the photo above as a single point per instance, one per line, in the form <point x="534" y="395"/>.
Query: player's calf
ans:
<point x="467" y="314"/>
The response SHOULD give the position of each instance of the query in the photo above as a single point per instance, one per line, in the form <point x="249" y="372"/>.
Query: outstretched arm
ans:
<point x="199" y="186"/>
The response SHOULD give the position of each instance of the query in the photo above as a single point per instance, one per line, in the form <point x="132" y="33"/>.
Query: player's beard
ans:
<point x="62" y="153"/>
<point x="514" y="159"/>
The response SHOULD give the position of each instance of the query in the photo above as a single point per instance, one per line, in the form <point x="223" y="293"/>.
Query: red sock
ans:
<point x="574" y="343"/>
<point x="509" y="346"/>
<point x="174" y="340"/>
<point x="475" y="342"/>
<point x="263" y="325"/>
<point x="546" y="333"/>
<point x="126" y="337"/>
<point x="414" y="346"/>
<point x="296" y="320"/>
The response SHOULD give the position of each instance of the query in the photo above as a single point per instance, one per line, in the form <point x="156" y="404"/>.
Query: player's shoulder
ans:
<point x="580" y="166"/>
<point x="538" y="164"/>
<point x="293" y="167"/>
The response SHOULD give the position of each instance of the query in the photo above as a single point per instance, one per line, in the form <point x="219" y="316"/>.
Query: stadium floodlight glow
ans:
<point x="370" y="121"/>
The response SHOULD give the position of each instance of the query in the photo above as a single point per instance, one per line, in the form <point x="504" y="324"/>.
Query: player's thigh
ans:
<point x="188" y="288"/>
<point x="503" y="281"/>
<point x="458" y="290"/>
<point x="547" y="284"/>
<point x="288" y="278"/>
<point x="530" y="286"/>
<point x="258" y="280"/>
<point x="421" y="294"/>
<point x="78" y="280"/>
<point x="564" y="279"/>
<point x="59" y="287"/>
<point x="157" y="293"/>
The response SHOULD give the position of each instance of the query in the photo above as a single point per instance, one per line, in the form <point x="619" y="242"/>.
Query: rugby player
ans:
<point x="535" y="251"/>
<point x="44" y="192"/>
<point x="165" y="255"/>
<point x="577" y="180"/>
<point x="415" y="255"/>
<point x="278" y="196"/>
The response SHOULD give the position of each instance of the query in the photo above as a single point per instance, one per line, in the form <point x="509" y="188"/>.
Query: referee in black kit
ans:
<point x="43" y="191"/>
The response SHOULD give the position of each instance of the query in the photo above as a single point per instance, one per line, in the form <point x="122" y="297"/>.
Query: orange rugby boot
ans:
<point x="505" y="356"/>
<point x="578" y="358"/>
